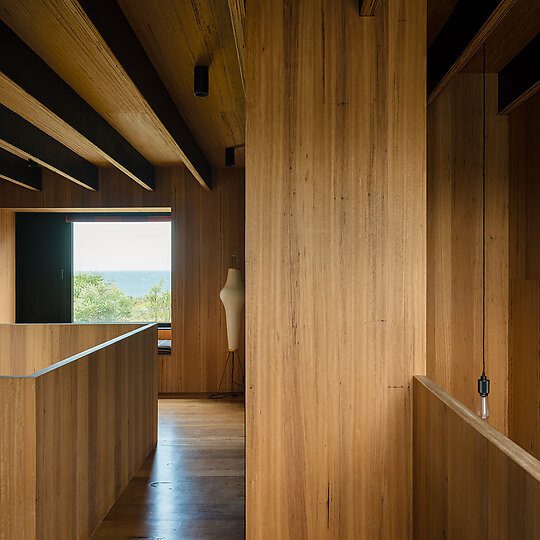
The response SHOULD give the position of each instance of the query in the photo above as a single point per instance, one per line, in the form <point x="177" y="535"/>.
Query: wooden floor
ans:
<point x="192" y="486"/>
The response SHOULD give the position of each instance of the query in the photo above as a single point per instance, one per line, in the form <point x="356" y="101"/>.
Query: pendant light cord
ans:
<point x="484" y="215"/>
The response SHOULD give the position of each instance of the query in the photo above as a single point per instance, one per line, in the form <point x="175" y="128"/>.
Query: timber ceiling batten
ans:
<point x="111" y="23"/>
<point x="237" y="10"/>
<point x="179" y="34"/>
<point x="64" y="37"/>
<point x="463" y="34"/>
<point x="19" y="171"/>
<point x="33" y="90"/>
<point x="28" y="142"/>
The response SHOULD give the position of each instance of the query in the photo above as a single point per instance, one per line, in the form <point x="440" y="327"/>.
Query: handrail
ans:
<point x="517" y="454"/>
<point x="82" y="354"/>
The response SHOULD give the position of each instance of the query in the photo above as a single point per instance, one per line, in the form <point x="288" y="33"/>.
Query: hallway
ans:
<point x="192" y="486"/>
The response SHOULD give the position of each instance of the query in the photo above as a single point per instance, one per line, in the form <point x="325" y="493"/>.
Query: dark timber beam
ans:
<point x="35" y="80"/>
<point x="461" y="37"/>
<point x="25" y="140"/>
<point x="367" y="8"/>
<point x="519" y="80"/>
<point x="113" y="26"/>
<point x="19" y="171"/>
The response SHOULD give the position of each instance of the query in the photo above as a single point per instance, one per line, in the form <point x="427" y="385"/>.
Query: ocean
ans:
<point x="134" y="283"/>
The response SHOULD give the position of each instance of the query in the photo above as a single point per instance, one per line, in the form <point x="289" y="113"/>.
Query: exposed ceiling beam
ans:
<point x="520" y="79"/>
<point x="115" y="29"/>
<point x="19" y="171"/>
<point x="237" y="10"/>
<point x="23" y="139"/>
<point x="464" y="33"/>
<point x="25" y="78"/>
<point x="367" y="8"/>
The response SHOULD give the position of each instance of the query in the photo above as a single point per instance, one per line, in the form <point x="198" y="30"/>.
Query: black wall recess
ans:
<point x="44" y="268"/>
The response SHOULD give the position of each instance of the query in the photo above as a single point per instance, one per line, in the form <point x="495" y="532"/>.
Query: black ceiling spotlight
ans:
<point x="200" y="81"/>
<point x="32" y="164"/>
<point x="229" y="156"/>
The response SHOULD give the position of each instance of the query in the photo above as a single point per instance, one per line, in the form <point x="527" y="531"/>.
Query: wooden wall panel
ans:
<point x="96" y="423"/>
<point x="335" y="263"/>
<point x="208" y="229"/>
<point x="454" y="305"/>
<point x="524" y="421"/>
<point x="17" y="458"/>
<point x="7" y="266"/>
<point x="524" y="415"/>
<point x="27" y="348"/>
<point x="470" y="481"/>
<point x="73" y="435"/>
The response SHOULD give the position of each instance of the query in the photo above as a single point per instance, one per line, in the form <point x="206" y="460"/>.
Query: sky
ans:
<point x="122" y="246"/>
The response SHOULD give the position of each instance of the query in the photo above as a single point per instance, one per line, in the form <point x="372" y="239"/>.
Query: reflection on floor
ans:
<point x="192" y="486"/>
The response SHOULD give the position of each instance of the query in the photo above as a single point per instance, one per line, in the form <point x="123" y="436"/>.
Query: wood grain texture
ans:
<point x="524" y="421"/>
<point x="519" y="26"/>
<point x="192" y="486"/>
<point x="7" y="266"/>
<point x="89" y="424"/>
<point x="494" y="20"/>
<point x="208" y="229"/>
<point x="176" y="36"/>
<point x="525" y="191"/>
<point x="470" y="481"/>
<point x="454" y="298"/>
<point x="63" y="36"/>
<point x="27" y="348"/>
<point x="18" y="458"/>
<point x="237" y="10"/>
<point x="335" y="263"/>
<point x="524" y="406"/>
<point x="368" y="7"/>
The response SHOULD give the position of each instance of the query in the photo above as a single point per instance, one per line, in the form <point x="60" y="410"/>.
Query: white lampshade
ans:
<point x="232" y="295"/>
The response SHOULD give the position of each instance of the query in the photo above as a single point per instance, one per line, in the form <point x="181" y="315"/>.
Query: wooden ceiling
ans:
<point x="175" y="35"/>
<point x="178" y="34"/>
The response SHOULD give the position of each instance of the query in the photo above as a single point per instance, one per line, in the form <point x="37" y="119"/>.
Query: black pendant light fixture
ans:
<point x="483" y="382"/>
<point x="200" y="81"/>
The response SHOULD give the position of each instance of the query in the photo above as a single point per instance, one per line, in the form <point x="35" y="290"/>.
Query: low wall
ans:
<point x="470" y="481"/>
<point x="73" y="434"/>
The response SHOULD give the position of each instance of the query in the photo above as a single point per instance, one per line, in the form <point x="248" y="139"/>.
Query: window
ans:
<point x="121" y="271"/>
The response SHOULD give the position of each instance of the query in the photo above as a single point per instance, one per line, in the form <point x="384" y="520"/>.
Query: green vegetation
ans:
<point x="98" y="300"/>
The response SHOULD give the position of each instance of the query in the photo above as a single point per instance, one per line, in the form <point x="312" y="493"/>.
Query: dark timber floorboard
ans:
<point x="192" y="486"/>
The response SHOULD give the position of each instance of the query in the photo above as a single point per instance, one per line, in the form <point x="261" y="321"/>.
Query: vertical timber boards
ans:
<point x="18" y="458"/>
<point x="470" y="481"/>
<point x="335" y="263"/>
<point x="208" y="229"/>
<point x="88" y="451"/>
<point x="454" y="285"/>
<point x="524" y="417"/>
<point x="27" y="348"/>
<point x="7" y="266"/>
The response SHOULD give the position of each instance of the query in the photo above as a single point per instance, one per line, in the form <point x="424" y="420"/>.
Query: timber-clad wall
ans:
<point x="470" y="481"/>
<point x="335" y="265"/>
<point x="208" y="228"/>
<point x="74" y="434"/>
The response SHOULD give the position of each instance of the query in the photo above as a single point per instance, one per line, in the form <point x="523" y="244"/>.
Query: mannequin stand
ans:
<point x="233" y="356"/>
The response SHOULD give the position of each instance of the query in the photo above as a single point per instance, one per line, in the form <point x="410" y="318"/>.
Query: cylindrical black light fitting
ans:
<point x="200" y="81"/>
<point x="229" y="156"/>
<point x="483" y="385"/>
